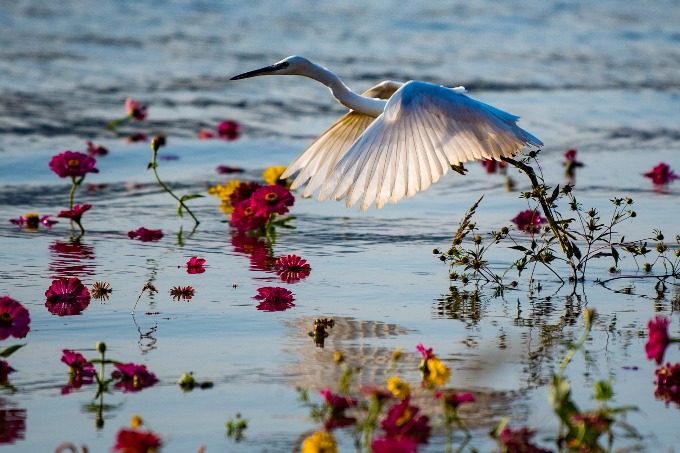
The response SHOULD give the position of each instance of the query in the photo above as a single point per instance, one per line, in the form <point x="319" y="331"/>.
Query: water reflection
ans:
<point x="12" y="423"/>
<point x="72" y="258"/>
<point x="258" y="249"/>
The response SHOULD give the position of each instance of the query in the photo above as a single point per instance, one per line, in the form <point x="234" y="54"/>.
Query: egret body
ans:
<point x="397" y="139"/>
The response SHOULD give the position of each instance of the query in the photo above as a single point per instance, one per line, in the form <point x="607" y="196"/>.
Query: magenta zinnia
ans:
<point x="272" y="199"/>
<point x="133" y="378"/>
<point x="292" y="268"/>
<point x="195" y="265"/>
<point x="137" y="441"/>
<point x="229" y="130"/>
<point x="402" y="421"/>
<point x="14" y="319"/>
<point x="145" y="235"/>
<point x="274" y="299"/>
<point x="243" y="191"/>
<point x="76" y="213"/>
<point x="67" y="296"/>
<point x="246" y="218"/>
<point x="135" y="109"/>
<point x="5" y="371"/>
<point x="658" y="339"/>
<point x="79" y="367"/>
<point x="73" y="164"/>
<point x="529" y="220"/>
<point x="661" y="174"/>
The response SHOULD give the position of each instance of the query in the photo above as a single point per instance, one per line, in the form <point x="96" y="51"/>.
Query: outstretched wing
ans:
<point x="425" y="128"/>
<point x="319" y="158"/>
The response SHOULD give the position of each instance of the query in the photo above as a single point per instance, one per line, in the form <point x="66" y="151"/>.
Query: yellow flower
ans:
<point x="399" y="388"/>
<point x="437" y="372"/>
<point x="136" y="421"/>
<point x="396" y="355"/>
<point x="320" y="442"/>
<point x="223" y="191"/>
<point x="272" y="175"/>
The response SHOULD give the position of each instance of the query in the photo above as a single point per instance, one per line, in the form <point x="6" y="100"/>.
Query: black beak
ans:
<point x="257" y="72"/>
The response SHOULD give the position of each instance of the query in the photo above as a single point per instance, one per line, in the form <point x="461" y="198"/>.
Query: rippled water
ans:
<point x="600" y="77"/>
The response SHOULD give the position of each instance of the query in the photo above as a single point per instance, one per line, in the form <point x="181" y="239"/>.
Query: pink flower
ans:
<point x="292" y="268"/>
<point x="402" y="421"/>
<point x="137" y="441"/>
<point x="79" y="367"/>
<point x="145" y="235"/>
<point x="272" y="199"/>
<point x="14" y="319"/>
<point x="274" y="299"/>
<point x="93" y="150"/>
<point x="246" y="218"/>
<point x="453" y="399"/>
<point x="658" y="339"/>
<point x="73" y="164"/>
<point x="529" y="220"/>
<point x="492" y="166"/>
<point x="32" y="221"/>
<point x="76" y="213"/>
<point x="426" y="353"/>
<point x="229" y="130"/>
<point x="243" y="192"/>
<point x="394" y="445"/>
<point x="226" y="169"/>
<point x="195" y="265"/>
<point x="135" y="109"/>
<point x="5" y="370"/>
<point x="668" y="383"/>
<point x="337" y="403"/>
<point x="133" y="378"/>
<point x="519" y="441"/>
<point x="205" y="134"/>
<point x="570" y="155"/>
<point x="67" y="296"/>
<point x="661" y="174"/>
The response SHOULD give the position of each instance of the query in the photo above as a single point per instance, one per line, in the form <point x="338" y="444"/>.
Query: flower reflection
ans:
<point x="258" y="249"/>
<point x="182" y="292"/>
<point x="137" y="441"/>
<point x="81" y="372"/>
<point x="71" y="258"/>
<point x="668" y="383"/>
<point x="145" y="234"/>
<point x="292" y="268"/>
<point x="67" y="296"/>
<point x="274" y="299"/>
<point x="133" y="378"/>
<point x="5" y="371"/>
<point x="12" y="424"/>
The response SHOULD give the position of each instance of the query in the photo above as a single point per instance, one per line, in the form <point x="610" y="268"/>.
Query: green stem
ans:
<point x="166" y="188"/>
<point x="73" y="191"/>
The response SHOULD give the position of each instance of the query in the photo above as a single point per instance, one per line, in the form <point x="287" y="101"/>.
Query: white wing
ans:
<point x="425" y="128"/>
<point x="318" y="159"/>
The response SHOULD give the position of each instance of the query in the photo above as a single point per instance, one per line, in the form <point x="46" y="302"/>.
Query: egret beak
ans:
<point x="267" y="70"/>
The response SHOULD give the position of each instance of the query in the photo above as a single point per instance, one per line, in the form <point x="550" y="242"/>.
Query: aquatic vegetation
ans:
<point x="14" y="319"/>
<point x="236" y="427"/>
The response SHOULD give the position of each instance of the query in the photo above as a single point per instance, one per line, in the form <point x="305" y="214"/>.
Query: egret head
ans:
<point x="288" y="66"/>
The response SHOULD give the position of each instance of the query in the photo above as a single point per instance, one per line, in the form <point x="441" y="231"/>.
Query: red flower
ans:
<point x="93" y="150"/>
<point x="136" y="441"/>
<point x="519" y="441"/>
<point x="135" y="109"/>
<point x="668" y="383"/>
<point x="658" y="339"/>
<point x="454" y="399"/>
<point x="14" y="319"/>
<point x="73" y="164"/>
<point x="78" y="365"/>
<point x="67" y="296"/>
<point x="145" y="235"/>
<point x="337" y="403"/>
<point x="529" y="220"/>
<point x="402" y="421"/>
<point x="229" y="130"/>
<point x="71" y="258"/>
<point x="274" y="299"/>
<point x="244" y="191"/>
<point x="292" y="268"/>
<point x="274" y="198"/>
<point x="133" y="378"/>
<point x="246" y="218"/>
<point x="394" y="445"/>
<point x="492" y="166"/>
<point x="33" y="221"/>
<point x="195" y="265"/>
<point x="5" y="370"/>
<point x="570" y="155"/>
<point x="661" y="174"/>
<point x="226" y="169"/>
<point x="76" y="213"/>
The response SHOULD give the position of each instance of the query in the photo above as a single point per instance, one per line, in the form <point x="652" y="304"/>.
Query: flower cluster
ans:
<point x="254" y="209"/>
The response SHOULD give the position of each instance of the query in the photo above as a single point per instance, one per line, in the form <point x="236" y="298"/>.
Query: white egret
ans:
<point x="397" y="139"/>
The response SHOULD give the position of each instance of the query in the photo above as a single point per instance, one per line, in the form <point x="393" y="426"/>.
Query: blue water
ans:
<point x="599" y="77"/>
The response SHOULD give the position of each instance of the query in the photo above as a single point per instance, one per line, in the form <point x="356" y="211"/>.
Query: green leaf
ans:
<point x="179" y="210"/>
<point x="11" y="350"/>
<point x="521" y="248"/>
<point x="615" y="255"/>
<point x="190" y="197"/>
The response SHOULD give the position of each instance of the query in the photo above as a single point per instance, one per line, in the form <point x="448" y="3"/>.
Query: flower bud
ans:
<point x="101" y="347"/>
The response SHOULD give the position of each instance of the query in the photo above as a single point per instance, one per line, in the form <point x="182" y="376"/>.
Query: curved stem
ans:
<point x="73" y="191"/>
<point x="166" y="188"/>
